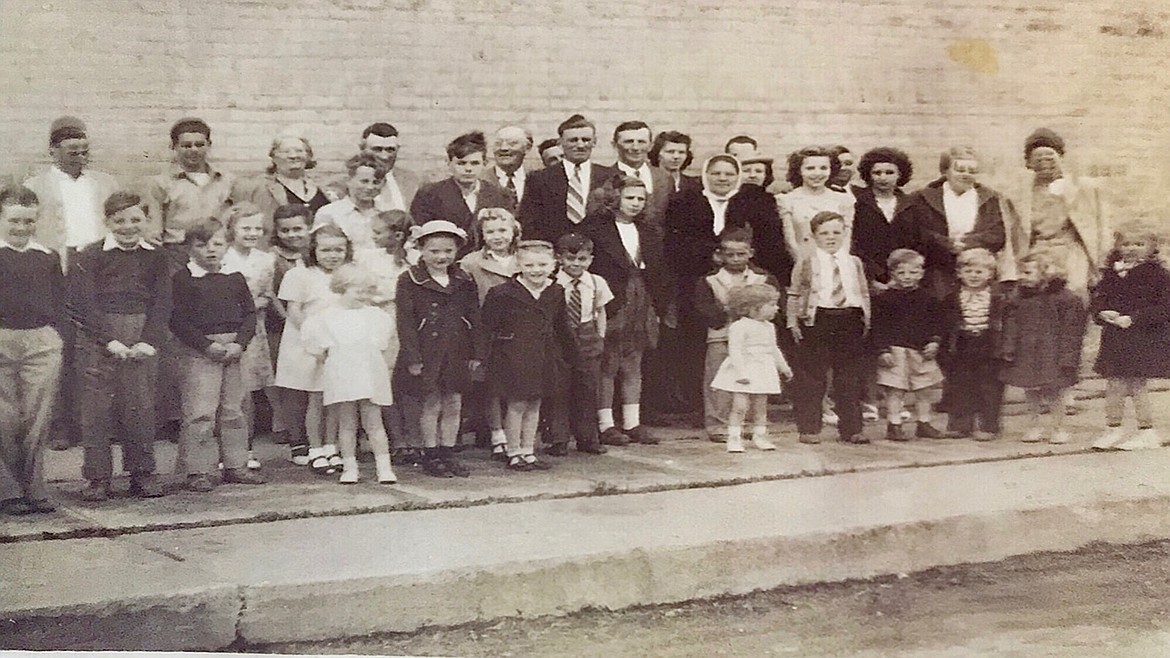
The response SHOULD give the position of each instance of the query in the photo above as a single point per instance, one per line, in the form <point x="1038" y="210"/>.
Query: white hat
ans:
<point x="438" y="227"/>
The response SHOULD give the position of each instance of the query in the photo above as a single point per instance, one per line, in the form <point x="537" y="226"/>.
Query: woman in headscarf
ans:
<point x="286" y="181"/>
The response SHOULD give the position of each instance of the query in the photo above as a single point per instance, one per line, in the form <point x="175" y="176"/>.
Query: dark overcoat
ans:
<point x="1143" y="350"/>
<point x="1043" y="330"/>
<point x="436" y="328"/>
<point x="529" y="341"/>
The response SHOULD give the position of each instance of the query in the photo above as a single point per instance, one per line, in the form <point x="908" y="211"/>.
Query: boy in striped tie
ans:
<point x="573" y="407"/>
<point x="828" y="315"/>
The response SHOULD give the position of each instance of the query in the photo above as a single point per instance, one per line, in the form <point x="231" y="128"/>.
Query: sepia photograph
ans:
<point x="585" y="328"/>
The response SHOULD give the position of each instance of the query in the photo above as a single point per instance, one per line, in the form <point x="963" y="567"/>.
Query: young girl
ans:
<point x="526" y="327"/>
<point x="438" y="311"/>
<point x="386" y="263"/>
<point x="290" y="239"/>
<point x="1132" y="304"/>
<point x="306" y="292"/>
<point x="245" y="229"/>
<point x="490" y="266"/>
<point x="809" y="172"/>
<point x="627" y="253"/>
<point x="750" y="371"/>
<point x="906" y="333"/>
<point x="350" y="339"/>
<point x="1043" y="328"/>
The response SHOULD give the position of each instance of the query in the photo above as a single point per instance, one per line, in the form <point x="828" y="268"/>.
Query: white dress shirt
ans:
<point x="823" y="282"/>
<point x="519" y="178"/>
<point x="595" y="294"/>
<point x="390" y="198"/>
<point x="586" y="174"/>
<point x="641" y="173"/>
<point x="80" y="208"/>
<point x="961" y="210"/>
<point x="629" y="235"/>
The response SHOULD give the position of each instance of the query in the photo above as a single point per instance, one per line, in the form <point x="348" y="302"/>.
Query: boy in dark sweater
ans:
<point x="213" y="318"/>
<point x="119" y="302"/>
<point x="31" y="309"/>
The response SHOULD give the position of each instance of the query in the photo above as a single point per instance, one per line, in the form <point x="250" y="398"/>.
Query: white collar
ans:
<point x="565" y="280"/>
<point x="825" y="254"/>
<point x="950" y="191"/>
<point x="569" y="166"/>
<point x="32" y="245"/>
<point x="519" y="174"/>
<point x="57" y="171"/>
<point x="196" y="271"/>
<point x="633" y="171"/>
<point x="111" y="243"/>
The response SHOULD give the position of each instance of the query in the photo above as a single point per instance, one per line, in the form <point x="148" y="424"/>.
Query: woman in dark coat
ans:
<point x="885" y="171"/>
<point x="927" y="226"/>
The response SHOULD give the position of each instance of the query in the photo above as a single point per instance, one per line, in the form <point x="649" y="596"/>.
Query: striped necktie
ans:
<point x="576" y="197"/>
<point x="575" y="302"/>
<point x="837" y="296"/>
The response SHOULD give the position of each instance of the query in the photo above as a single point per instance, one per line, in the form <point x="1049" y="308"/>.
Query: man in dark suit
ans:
<point x="512" y="144"/>
<point x="631" y="140"/>
<point x="459" y="197"/>
<point x="556" y="198"/>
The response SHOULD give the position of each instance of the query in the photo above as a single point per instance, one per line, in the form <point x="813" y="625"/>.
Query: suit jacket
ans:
<point x="444" y="200"/>
<point x="543" y="211"/>
<point x="613" y="263"/>
<point x="489" y="175"/>
<point x="50" y="213"/>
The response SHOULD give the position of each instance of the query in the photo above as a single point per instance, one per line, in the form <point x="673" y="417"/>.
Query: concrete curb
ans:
<point x="323" y="611"/>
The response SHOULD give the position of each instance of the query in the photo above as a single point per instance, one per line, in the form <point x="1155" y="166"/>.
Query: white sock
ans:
<point x="329" y="449"/>
<point x="631" y="416"/>
<point x="316" y="452"/>
<point x="735" y="432"/>
<point x="498" y="437"/>
<point x="760" y="431"/>
<point x="604" y="419"/>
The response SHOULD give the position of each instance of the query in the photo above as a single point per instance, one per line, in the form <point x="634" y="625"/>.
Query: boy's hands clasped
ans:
<point x="139" y="350"/>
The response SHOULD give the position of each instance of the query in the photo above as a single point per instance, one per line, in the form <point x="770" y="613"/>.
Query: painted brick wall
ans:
<point x="921" y="75"/>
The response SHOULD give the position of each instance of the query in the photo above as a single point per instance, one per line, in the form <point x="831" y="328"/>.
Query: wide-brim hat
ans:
<point x="438" y="227"/>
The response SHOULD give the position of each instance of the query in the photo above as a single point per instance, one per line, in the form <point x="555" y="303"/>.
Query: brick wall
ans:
<point x="921" y="75"/>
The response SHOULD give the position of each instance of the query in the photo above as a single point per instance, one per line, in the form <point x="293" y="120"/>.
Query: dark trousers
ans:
<point x="972" y="389"/>
<point x="117" y="399"/>
<point x="572" y="411"/>
<point x="672" y="372"/>
<point x="834" y="343"/>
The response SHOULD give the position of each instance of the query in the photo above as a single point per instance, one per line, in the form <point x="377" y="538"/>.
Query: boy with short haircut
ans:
<point x="191" y="189"/>
<point x="32" y="302"/>
<point x="735" y="252"/>
<point x="119" y="303"/>
<point x="970" y="351"/>
<point x="828" y="315"/>
<point x="214" y="318"/>
<point x="572" y="408"/>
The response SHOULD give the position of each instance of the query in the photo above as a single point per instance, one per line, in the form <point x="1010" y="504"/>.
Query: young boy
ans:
<point x="119" y="303"/>
<point x="735" y="252"/>
<point x="907" y="333"/>
<point x="572" y="408"/>
<point x="974" y="317"/>
<point x="31" y="309"/>
<point x="828" y="315"/>
<point x="213" y="318"/>
<point x="459" y="197"/>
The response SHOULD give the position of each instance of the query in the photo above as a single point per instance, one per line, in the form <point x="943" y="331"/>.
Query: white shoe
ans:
<point x="734" y="444"/>
<point x="349" y="471"/>
<point x="869" y="413"/>
<point x="1110" y="439"/>
<point x="829" y="417"/>
<point x="761" y="442"/>
<point x="906" y="416"/>
<point x="253" y="463"/>
<point x="1059" y="437"/>
<point x="1146" y="439"/>
<point x="1033" y="435"/>
<point x="384" y="470"/>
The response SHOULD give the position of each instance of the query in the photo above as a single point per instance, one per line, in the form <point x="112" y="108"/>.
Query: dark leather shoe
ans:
<point x="614" y="437"/>
<point x="592" y="448"/>
<point x="640" y="434"/>
<point x="558" y="450"/>
<point x="242" y="476"/>
<point x="895" y="433"/>
<point x="928" y="431"/>
<point x="199" y="483"/>
<point x="856" y="439"/>
<point x="146" y="486"/>
<point x="96" y="491"/>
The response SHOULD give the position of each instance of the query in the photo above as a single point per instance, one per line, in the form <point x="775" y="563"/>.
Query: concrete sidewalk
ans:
<point x="304" y="558"/>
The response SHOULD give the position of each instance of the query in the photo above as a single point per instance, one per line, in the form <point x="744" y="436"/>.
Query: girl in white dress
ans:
<point x="350" y="339"/>
<point x="306" y="292"/>
<point x="245" y="230"/>
<point x="754" y="363"/>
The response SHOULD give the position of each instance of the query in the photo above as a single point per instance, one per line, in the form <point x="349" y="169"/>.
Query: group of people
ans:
<point x="516" y="306"/>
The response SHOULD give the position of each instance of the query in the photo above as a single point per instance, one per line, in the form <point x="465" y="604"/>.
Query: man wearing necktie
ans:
<point x="511" y="146"/>
<point x="556" y="199"/>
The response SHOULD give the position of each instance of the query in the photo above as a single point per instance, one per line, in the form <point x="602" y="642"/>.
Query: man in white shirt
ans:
<point x="71" y="193"/>
<point x="381" y="141"/>
<point x="512" y="144"/>
<point x="632" y="140"/>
